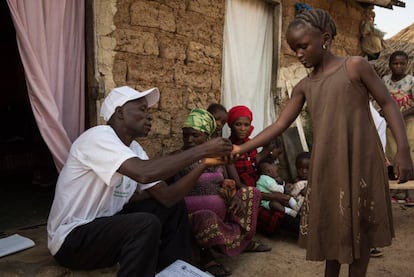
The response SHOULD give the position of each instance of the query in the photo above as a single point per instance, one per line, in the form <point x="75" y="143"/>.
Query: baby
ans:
<point x="269" y="182"/>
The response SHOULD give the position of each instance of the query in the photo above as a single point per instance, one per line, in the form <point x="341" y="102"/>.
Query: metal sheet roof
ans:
<point x="384" y="3"/>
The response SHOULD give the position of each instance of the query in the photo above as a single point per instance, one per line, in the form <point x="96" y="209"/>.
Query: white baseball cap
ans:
<point x="119" y="96"/>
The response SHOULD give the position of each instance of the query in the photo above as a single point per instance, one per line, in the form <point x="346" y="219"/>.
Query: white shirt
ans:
<point x="89" y="185"/>
<point x="380" y="124"/>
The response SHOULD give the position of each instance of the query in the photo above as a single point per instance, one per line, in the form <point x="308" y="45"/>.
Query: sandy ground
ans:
<point x="286" y="258"/>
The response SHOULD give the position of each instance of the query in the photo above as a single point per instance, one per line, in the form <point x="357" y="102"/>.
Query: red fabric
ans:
<point x="245" y="164"/>
<point x="246" y="169"/>
<point x="268" y="221"/>
<point x="237" y="112"/>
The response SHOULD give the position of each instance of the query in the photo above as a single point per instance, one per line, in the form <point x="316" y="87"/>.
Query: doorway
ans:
<point x="27" y="170"/>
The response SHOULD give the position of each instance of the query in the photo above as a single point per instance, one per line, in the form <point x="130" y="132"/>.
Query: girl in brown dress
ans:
<point x="347" y="205"/>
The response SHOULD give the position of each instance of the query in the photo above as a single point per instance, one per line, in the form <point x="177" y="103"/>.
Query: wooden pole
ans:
<point x="406" y="185"/>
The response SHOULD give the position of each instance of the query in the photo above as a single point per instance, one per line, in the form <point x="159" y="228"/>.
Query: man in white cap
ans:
<point x="96" y="220"/>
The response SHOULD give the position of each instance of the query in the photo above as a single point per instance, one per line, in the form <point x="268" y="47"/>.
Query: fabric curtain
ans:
<point x="50" y="37"/>
<point x="247" y="60"/>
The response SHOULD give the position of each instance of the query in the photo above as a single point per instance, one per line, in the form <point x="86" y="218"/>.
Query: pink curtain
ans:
<point x="50" y="36"/>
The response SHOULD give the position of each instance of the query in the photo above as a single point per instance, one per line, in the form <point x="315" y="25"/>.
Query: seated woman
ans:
<point x="222" y="218"/>
<point x="269" y="222"/>
<point x="240" y="123"/>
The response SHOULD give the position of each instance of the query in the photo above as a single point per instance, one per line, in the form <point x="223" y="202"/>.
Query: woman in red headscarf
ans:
<point x="240" y="122"/>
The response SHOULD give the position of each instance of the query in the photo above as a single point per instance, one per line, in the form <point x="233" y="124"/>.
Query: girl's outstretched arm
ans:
<point x="287" y="116"/>
<point x="379" y="91"/>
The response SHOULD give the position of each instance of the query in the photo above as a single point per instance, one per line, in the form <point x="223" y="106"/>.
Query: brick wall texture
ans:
<point x="176" y="45"/>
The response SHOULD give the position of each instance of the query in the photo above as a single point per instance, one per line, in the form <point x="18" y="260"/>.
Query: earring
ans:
<point x="324" y="46"/>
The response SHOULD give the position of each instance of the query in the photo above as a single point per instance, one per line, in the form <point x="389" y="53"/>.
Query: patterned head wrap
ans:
<point x="240" y="111"/>
<point x="201" y="120"/>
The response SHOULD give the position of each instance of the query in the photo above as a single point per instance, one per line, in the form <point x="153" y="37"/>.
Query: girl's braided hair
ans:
<point x="317" y="18"/>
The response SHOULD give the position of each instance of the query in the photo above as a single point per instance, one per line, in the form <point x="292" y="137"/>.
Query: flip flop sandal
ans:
<point x="217" y="269"/>
<point x="255" y="246"/>
<point x="376" y="253"/>
<point x="409" y="202"/>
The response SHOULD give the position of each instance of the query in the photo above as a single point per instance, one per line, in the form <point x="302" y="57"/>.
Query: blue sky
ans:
<point x="393" y="21"/>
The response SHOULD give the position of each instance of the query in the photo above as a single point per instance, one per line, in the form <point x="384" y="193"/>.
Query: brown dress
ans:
<point x="347" y="199"/>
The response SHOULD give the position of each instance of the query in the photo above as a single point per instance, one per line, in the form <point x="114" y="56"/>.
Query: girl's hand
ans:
<point x="235" y="153"/>
<point x="403" y="167"/>
<point x="236" y="149"/>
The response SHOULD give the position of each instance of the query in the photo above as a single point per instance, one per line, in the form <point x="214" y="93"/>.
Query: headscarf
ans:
<point x="245" y="164"/>
<point x="240" y="111"/>
<point x="201" y="120"/>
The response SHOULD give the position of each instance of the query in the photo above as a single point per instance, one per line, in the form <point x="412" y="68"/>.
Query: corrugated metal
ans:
<point x="384" y="3"/>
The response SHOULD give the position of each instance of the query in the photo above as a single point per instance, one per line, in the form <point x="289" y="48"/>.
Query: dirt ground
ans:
<point x="285" y="259"/>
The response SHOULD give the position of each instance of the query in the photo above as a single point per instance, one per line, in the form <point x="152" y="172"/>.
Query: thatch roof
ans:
<point x="404" y="41"/>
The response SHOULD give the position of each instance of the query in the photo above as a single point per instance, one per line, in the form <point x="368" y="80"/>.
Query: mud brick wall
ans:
<point x="173" y="45"/>
<point x="176" y="45"/>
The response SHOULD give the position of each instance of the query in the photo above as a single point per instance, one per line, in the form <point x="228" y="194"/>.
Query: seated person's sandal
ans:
<point x="216" y="269"/>
<point x="255" y="246"/>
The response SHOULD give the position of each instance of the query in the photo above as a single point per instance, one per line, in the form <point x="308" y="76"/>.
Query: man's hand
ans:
<point x="235" y="154"/>
<point x="213" y="161"/>
<point x="217" y="147"/>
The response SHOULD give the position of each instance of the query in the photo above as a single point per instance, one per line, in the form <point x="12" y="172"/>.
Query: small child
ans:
<point x="302" y="165"/>
<point x="298" y="188"/>
<point x="269" y="181"/>
<point x="220" y="114"/>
